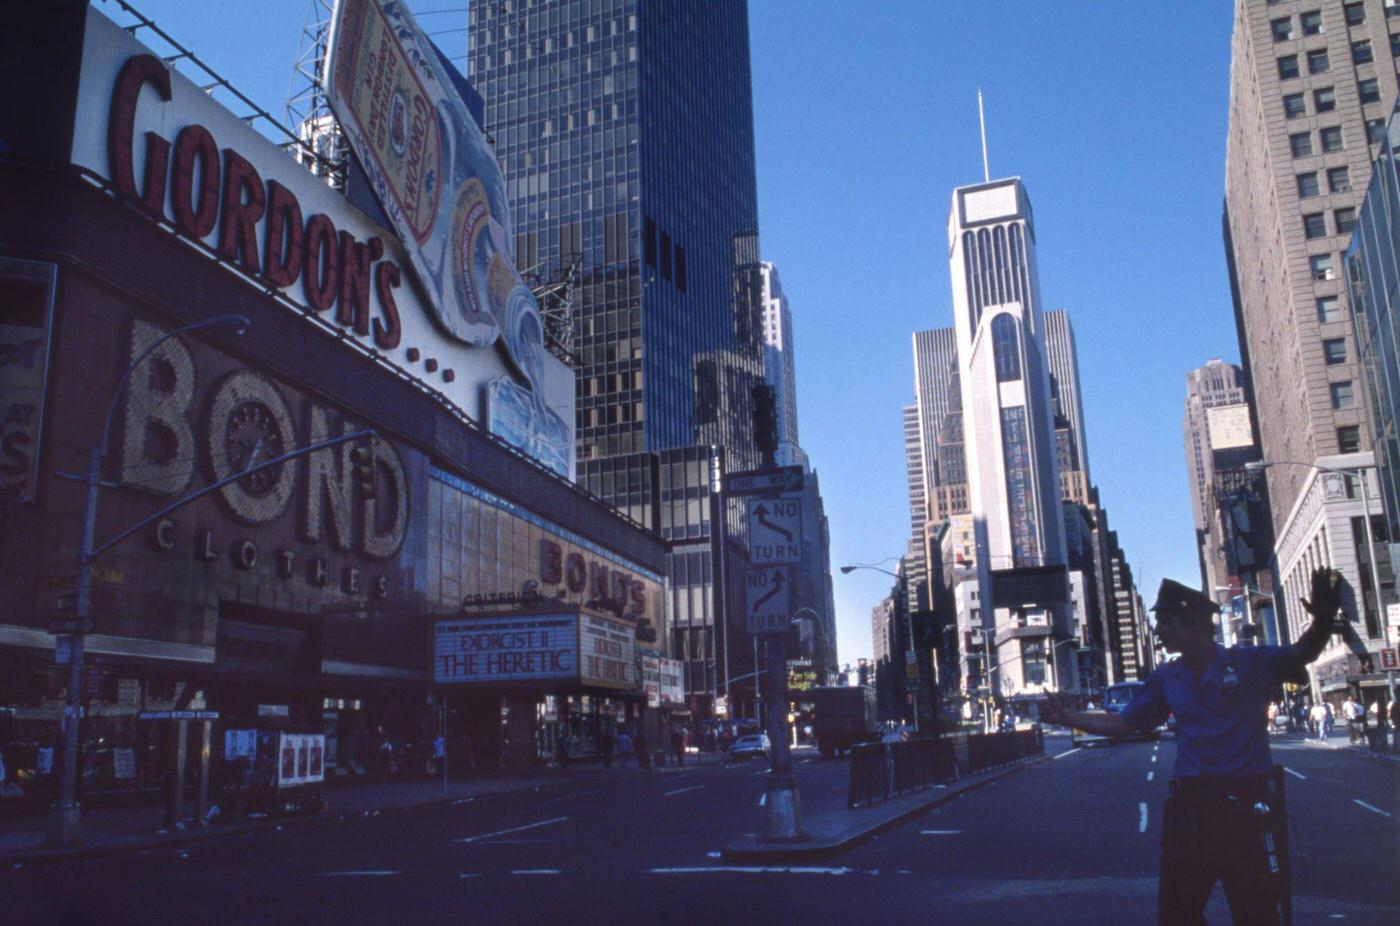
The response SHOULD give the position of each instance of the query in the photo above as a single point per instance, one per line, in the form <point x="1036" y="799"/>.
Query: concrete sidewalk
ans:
<point x="831" y="827"/>
<point x="115" y="830"/>
<point x="1341" y="740"/>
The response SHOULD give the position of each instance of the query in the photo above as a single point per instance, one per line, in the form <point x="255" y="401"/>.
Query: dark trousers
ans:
<point x="1212" y="834"/>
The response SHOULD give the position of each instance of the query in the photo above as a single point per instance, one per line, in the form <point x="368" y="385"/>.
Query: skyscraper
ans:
<point x="780" y="365"/>
<point x="1071" y="442"/>
<point x="914" y="469"/>
<point x="1310" y="86"/>
<point x="937" y="395"/>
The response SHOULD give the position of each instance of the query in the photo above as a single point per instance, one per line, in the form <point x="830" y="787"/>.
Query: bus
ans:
<point x="1115" y="698"/>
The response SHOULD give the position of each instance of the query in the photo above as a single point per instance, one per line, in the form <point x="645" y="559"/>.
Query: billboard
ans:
<point x="438" y="181"/>
<point x="300" y="759"/>
<point x="191" y="165"/>
<point x="512" y="648"/>
<point x="1229" y="427"/>
<point x="26" y="311"/>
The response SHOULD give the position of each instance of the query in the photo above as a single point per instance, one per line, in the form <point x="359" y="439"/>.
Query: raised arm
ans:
<point x="1325" y="603"/>
<point x="1055" y="709"/>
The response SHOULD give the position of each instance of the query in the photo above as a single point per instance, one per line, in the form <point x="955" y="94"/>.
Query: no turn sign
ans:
<point x="767" y="599"/>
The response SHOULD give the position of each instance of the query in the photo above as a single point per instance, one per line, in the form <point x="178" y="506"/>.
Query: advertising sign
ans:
<point x="506" y="649"/>
<point x="672" y="683"/>
<point x="300" y="759"/>
<point x="651" y="678"/>
<point x="1229" y="427"/>
<point x="26" y="309"/>
<point x="439" y="183"/>
<point x="606" y="647"/>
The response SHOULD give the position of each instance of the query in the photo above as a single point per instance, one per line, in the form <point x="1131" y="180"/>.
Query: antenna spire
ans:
<point x="982" y="120"/>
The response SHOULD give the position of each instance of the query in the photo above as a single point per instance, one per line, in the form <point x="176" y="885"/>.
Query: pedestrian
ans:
<point x="640" y="747"/>
<point x="605" y="747"/>
<point x="1317" y="721"/>
<point x="678" y="746"/>
<point x="624" y="747"/>
<point x="1211" y="830"/>
<point x="1355" y="716"/>
<point x="1328" y="720"/>
<point x="565" y="744"/>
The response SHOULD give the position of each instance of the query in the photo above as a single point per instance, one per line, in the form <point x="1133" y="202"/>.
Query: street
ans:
<point x="1070" y="839"/>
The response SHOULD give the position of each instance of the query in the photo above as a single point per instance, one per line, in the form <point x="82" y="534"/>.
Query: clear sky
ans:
<point x="865" y="115"/>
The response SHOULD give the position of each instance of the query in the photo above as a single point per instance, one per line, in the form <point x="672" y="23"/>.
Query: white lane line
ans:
<point x="1068" y="752"/>
<point x="469" y="874"/>
<point x="1142" y="817"/>
<point x="1149" y="775"/>
<point x="759" y="774"/>
<point x="683" y="790"/>
<point x="358" y="874"/>
<point x="534" y="871"/>
<point x="754" y="870"/>
<point x="1295" y="774"/>
<point x="513" y="829"/>
<point x="1370" y="807"/>
<point x="1154" y="758"/>
<point x="940" y="832"/>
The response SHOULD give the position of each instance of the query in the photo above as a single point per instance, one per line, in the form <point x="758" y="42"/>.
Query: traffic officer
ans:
<point x="1211" y="829"/>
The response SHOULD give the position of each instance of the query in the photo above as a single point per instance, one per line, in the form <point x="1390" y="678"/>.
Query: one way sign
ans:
<point x="767" y="599"/>
<point x="775" y="530"/>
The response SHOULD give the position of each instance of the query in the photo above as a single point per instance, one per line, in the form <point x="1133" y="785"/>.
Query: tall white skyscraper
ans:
<point x="779" y="365"/>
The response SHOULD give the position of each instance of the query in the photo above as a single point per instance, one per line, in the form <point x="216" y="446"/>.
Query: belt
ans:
<point x="1220" y="787"/>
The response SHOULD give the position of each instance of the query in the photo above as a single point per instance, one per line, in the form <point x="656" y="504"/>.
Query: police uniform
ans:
<point x="1211" y="829"/>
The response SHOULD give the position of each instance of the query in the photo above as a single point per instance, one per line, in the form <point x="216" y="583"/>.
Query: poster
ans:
<point x="26" y="311"/>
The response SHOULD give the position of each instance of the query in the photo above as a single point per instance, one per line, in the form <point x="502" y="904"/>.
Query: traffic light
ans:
<point x="362" y="469"/>
<point x="765" y="419"/>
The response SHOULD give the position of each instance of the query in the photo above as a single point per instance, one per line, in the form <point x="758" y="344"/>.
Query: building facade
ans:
<point x="780" y="365"/>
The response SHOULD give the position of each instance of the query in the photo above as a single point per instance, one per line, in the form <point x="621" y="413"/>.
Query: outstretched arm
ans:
<point x="1325" y="603"/>
<point x="1055" y="709"/>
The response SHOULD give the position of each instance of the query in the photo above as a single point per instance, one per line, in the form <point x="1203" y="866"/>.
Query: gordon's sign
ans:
<point x="182" y="158"/>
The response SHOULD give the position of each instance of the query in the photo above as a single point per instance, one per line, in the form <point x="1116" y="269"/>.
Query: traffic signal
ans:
<point x="362" y="469"/>
<point x="765" y="419"/>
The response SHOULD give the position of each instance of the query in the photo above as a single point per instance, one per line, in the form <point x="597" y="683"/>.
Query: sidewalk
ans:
<point x="831" y="827"/>
<point x="124" y="829"/>
<point x="1341" y="739"/>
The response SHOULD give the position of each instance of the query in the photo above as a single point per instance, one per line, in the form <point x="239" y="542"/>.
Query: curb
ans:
<point x="41" y="855"/>
<point x="750" y="849"/>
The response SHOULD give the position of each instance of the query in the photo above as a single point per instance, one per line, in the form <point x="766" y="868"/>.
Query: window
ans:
<point x="1369" y="90"/>
<point x="1282" y="29"/>
<point x="1338" y="180"/>
<point x="1300" y="144"/>
<point x="1331" y="138"/>
<point x="1293" y="105"/>
<point x="1395" y="44"/>
<point x="1375" y="129"/>
<point x="1006" y="348"/>
<point x="1317" y="61"/>
<point x="1355" y="13"/>
<point x="1311" y="22"/>
<point x="1328" y="308"/>
<point x="1307" y="185"/>
<point x="1321" y="266"/>
<point x="1361" y="52"/>
<point x="1345" y="219"/>
<point x="1287" y="67"/>
<point x="1315" y="226"/>
<point x="1324" y="100"/>
<point x="1334" y="351"/>
<point x="1342" y="395"/>
<point x="1349" y="439"/>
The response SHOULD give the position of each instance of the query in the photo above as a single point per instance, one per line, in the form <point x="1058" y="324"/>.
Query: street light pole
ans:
<point x="910" y="655"/>
<point x="66" y="814"/>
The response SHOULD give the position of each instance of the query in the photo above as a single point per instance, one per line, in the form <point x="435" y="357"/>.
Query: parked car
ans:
<point x="746" y="747"/>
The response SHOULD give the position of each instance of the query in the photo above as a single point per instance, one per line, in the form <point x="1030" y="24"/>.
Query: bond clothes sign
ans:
<point x="506" y="649"/>
<point x="26" y="307"/>
<point x="440" y="185"/>
<point x="185" y="161"/>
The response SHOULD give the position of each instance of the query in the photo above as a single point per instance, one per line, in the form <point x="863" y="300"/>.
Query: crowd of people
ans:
<point x="1320" y="719"/>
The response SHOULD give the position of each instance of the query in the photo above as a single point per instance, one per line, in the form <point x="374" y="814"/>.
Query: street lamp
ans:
<point x="910" y="656"/>
<point x="1360" y="474"/>
<point x="65" y="816"/>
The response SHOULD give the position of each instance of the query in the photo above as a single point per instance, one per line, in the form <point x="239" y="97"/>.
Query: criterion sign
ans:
<point x="775" y="530"/>
<point x="767" y="599"/>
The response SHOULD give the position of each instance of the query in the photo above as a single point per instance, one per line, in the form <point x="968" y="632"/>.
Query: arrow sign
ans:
<point x="778" y="584"/>
<point x="775" y="530"/>
<point x="767" y="599"/>
<point x="761" y="517"/>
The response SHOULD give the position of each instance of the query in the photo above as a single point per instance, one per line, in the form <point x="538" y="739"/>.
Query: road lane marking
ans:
<point x="513" y="829"/>
<point x="469" y="874"/>
<point x="534" y="871"/>
<point x="1371" y="807"/>
<point x="1154" y="758"/>
<point x="753" y="870"/>
<point x="1068" y="752"/>
<point x="1295" y="774"/>
<point x="940" y="832"/>
<point x="1149" y="775"/>
<point x="358" y="874"/>
<point x="1142" y="817"/>
<point x="683" y="790"/>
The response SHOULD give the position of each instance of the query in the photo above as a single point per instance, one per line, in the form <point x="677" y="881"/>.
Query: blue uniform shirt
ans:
<point x="1222" y="718"/>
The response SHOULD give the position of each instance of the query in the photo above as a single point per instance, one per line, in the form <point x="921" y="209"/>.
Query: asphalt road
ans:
<point x="1071" y="840"/>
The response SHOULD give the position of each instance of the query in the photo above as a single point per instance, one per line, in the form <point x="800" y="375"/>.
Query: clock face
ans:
<point x="251" y="435"/>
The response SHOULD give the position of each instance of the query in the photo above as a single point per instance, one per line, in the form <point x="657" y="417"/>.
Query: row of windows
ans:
<point x="1325" y="98"/>
<point x="1315" y="223"/>
<point x="1338" y="181"/>
<point x="1329" y="140"/>
<point x="1310" y="23"/>
<point x="1290" y="66"/>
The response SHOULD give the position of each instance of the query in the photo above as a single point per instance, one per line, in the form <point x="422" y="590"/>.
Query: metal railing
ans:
<point x="879" y="771"/>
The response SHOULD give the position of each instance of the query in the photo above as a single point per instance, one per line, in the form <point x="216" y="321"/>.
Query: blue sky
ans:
<point x="1114" y="115"/>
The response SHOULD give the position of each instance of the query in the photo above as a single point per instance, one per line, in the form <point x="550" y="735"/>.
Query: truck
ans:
<point x="843" y="716"/>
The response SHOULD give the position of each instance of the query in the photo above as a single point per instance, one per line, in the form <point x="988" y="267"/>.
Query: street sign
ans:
<point x="765" y="481"/>
<point x="1389" y="659"/>
<point x="1392" y="613"/>
<point x="911" y="670"/>
<point x="775" y="530"/>
<point x="767" y="599"/>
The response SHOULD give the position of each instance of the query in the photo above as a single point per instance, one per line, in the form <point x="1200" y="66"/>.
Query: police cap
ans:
<point x="1177" y="598"/>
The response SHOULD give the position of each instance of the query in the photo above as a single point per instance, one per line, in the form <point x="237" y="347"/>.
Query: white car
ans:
<point x="746" y="747"/>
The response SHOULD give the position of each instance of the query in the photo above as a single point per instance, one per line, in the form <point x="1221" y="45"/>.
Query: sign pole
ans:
<point x="782" y="807"/>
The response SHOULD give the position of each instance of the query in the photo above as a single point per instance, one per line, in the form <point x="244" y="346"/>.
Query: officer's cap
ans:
<point x="1177" y="598"/>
